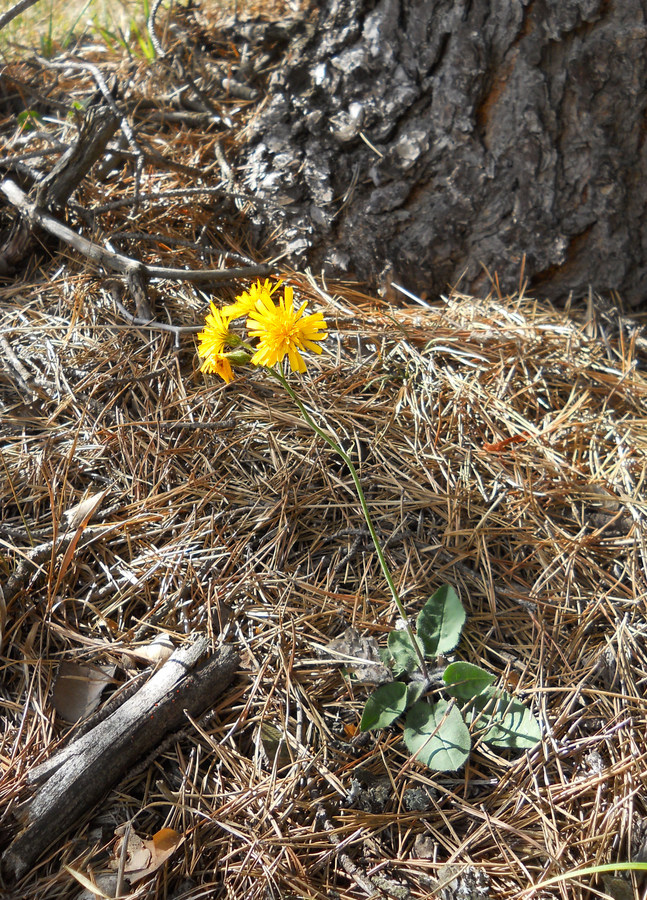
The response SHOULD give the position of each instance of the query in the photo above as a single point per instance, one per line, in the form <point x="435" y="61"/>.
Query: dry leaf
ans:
<point x="361" y="656"/>
<point x="83" y="511"/>
<point x="78" y="688"/>
<point x="350" y="730"/>
<point x="156" y="652"/>
<point x="138" y="855"/>
<point x="76" y="518"/>
<point x="143" y="857"/>
<point x="166" y="840"/>
<point x="274" y="745"/>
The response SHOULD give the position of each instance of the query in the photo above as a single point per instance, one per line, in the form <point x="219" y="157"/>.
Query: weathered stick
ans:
<point x="117" y="262"/>
<point x="77" y="777"/>
<point x="98" y="127"/>
<point x="15" y="10"/>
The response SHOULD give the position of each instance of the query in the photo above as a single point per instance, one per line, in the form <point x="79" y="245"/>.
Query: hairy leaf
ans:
<point x="437" y="735"/>
<point x="440" y="621"/>
<point x="507" y="722"/>
<point x="465" y="680"/>
<point x="403" y="652"/>
<point x="415" y="690"/>
<point x="384" y="706"/>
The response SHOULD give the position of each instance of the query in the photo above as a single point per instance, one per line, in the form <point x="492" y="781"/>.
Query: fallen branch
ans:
<point x="15" y="10"/>
<point x="117" y="262"/>
<point x="77" y="777"/>
<point x="97" y="128"/>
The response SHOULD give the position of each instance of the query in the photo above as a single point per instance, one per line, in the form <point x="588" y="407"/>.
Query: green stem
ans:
<point x="278" y="374"/>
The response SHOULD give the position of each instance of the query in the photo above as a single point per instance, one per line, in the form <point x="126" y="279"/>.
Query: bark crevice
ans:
<point x="438" y="141"/>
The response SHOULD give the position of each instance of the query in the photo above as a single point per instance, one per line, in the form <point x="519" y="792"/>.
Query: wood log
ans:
<point x="79" y="775"/>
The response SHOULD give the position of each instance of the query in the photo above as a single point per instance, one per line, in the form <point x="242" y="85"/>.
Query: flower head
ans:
<point x="283" y="330"/>
<point x="247" y="301"/>
<point x="212" y="343"/>
<point x="219" y="365"/>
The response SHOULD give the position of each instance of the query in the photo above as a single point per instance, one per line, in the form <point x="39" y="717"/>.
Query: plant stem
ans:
<point x="278" y="374"/>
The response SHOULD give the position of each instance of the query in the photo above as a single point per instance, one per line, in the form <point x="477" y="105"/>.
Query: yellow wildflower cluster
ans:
<point x="279" y="328"/>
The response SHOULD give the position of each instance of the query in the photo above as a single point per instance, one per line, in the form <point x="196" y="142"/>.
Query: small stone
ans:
<point x="424" y="846"/>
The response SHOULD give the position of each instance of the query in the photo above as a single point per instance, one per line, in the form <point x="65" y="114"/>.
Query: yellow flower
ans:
<point x="212" y="343"/>
<point x="283" y="330"/>
<point x="219" y="365"/>
<point x="247" y="301"/>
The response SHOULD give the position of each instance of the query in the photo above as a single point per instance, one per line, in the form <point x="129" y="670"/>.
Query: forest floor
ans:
<point x="502" y="447"/>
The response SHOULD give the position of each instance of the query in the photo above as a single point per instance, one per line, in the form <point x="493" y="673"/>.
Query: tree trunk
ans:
<point x="436" y="141"/>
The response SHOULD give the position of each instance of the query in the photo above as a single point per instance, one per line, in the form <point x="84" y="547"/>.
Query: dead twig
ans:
<point x="152" y="325"/>
<point x="117" y="262"/>
<point x="15" y="10"/>
<point x="159" y="50"/>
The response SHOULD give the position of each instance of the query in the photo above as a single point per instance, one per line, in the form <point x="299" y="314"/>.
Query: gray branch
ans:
<point x="78" y="776"/>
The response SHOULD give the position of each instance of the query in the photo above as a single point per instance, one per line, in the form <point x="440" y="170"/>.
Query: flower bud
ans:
<point x="238" y="357"/>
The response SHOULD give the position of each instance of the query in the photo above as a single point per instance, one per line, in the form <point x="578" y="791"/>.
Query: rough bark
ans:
<point x="499" y="131"/>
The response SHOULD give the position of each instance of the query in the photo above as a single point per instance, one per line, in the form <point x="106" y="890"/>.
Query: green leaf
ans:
<point x="29" y="119"/>
<point x="384" y="706"/>
<point x="466" y="681"/>
<point x="437" y="735"/>
<point x="415" y="690"/>
<point x="507" y="722"/>
<point x="440" y="621"/>
<point x="403" y="652"/>
<point x="75" y="106"/>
